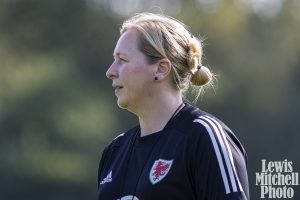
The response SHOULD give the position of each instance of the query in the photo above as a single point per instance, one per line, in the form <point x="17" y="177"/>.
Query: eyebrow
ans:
<point x="119" y="53"/>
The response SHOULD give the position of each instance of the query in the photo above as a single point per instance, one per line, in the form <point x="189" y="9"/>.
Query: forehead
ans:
<point x="127" y="43"/>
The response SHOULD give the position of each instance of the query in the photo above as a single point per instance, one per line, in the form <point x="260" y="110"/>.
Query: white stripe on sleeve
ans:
<point x="229" y="150"/>
<point x="218" y="154"/>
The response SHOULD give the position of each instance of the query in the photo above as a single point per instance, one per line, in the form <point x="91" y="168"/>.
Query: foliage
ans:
<point x="58" y="112"/>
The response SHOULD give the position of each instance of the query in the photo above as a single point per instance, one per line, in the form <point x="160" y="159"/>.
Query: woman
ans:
<point x="177" y="151"/>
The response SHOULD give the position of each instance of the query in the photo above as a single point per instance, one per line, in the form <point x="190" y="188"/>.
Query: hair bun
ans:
<point x="202" y="76"/>
<point x="195" y="54"/>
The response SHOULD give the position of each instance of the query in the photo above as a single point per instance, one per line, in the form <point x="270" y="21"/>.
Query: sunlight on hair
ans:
<point x="193" y="93"/>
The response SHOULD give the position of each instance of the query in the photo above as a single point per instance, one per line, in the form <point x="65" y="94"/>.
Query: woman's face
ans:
<point x="131" y="74"/>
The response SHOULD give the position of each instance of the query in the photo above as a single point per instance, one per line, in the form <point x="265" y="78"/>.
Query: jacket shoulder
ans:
<point x="200" y="125"/>
<point x="123" y="138"/>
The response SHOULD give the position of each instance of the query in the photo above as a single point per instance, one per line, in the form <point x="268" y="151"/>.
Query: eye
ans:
<point x="122" y="59"/>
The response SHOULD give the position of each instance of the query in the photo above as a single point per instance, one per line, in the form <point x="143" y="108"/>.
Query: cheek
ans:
<point x="137" y="75"/>
<point x="138" y="85"/>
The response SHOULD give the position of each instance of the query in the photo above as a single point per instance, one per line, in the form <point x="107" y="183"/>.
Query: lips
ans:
<point x="117" y="88"/>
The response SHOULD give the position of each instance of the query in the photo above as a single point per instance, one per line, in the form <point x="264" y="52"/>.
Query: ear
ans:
<point x="163" y="69"/>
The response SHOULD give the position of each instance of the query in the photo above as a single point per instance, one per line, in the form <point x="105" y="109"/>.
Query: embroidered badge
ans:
<point x="159" y="170"/>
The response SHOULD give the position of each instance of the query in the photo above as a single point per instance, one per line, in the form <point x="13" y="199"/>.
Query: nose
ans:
<point x="112" y="72"/>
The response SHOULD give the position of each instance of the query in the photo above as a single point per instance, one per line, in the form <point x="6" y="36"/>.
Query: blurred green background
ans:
<point x="58" y="110"/>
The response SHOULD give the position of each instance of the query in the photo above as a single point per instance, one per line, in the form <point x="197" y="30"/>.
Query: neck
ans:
<point x="154" y="116"/>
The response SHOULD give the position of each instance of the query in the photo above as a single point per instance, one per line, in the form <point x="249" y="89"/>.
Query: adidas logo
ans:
<point x="107" y="179"/>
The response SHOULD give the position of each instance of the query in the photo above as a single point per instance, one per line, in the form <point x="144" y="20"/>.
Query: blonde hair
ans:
<point x="161" y="37"/>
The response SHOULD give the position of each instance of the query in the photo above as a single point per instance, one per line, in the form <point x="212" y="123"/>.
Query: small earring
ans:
<point x="155" y="78"/>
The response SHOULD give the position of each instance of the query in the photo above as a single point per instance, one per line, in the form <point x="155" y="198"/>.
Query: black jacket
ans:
<point x="196" y="156"/>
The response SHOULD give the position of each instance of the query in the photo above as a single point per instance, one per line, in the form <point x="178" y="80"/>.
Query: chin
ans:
<point x="122" y="104"/>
